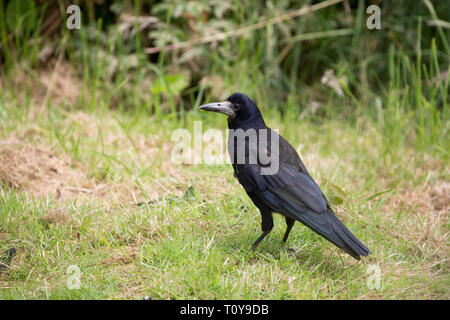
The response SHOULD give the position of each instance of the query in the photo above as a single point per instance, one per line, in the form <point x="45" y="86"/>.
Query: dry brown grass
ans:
<point x="39" y="171"/>
<point x="60" y="77"/>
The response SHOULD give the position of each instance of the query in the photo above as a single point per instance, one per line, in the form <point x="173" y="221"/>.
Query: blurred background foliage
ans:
<point x="323" y="64"/>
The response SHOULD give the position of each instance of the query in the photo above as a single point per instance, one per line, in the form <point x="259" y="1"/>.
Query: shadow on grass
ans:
<point x="309" y="257"/>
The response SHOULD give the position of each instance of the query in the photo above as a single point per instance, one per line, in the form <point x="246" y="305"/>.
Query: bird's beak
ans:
<point x="222" y="107"/>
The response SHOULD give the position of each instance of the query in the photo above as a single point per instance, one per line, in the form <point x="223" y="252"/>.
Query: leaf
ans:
<point x="337" y="194"/>
<point x="20" y="16"/>
<point x="175" y="83"/>
<point x="189" y="193"/>
<point x="378" y="194"/>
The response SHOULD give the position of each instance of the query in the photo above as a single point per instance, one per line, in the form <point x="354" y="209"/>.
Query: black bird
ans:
<point x="288" y="189"/>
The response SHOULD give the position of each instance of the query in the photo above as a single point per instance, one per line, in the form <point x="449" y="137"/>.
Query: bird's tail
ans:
<point x="344" y="239"/>
<point x="328" y="225"/>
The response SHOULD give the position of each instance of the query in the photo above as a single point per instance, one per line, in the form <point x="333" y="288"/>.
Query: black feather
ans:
<point x="291" y="190"/>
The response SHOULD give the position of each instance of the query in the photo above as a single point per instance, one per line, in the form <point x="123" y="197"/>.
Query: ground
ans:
<point x="98" y="190"/>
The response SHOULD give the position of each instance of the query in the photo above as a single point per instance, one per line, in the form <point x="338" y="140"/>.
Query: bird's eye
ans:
<point x="236" y="107"/>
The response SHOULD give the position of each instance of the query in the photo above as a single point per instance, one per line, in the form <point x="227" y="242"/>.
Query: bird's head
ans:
<point x="237" y="107"/>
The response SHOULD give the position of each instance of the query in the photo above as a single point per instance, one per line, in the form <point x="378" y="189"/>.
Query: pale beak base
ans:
<point x="224" y="107"/>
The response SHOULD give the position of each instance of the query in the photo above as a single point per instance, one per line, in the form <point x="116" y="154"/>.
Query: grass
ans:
<point x="86" y="136"/>
<point x="198" y="247"/>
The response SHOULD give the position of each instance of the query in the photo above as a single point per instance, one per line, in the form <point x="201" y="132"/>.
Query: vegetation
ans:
<point x="86" y="170"/>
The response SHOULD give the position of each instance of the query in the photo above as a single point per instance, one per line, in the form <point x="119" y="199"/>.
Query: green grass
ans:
<point x="199" y="247"/>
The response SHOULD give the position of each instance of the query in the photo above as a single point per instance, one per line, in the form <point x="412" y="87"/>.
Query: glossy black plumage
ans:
<point x="291" y="191"/>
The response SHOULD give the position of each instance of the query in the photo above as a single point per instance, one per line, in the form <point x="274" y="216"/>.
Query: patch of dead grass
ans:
<point x="55" y="216"/>
<point x="430" y="199"/>
<point x="61" y="79"/>
<point x="39" y="171"/>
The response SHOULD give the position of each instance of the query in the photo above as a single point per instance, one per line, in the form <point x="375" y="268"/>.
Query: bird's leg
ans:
<point x="254" y="245"/>
<point x="266" y="225"/>
<point x="290" y="223"/>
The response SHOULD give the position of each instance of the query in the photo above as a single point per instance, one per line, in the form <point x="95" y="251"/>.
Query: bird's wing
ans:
<point x="289" y="158"/>
<point x="288" y="154"/>
<point x="289" y="191"/>
<point x="298" y="186"/>
<point x="295" y="194"/>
